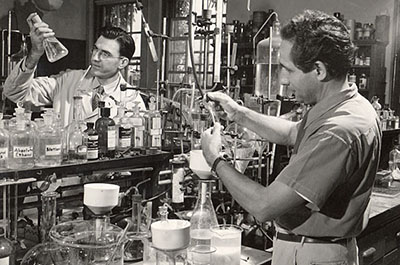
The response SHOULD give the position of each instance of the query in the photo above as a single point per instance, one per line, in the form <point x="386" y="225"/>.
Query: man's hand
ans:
<point x="38" y="32"/>
<point x="230" y="107"/>
<point x="211" y="143"/>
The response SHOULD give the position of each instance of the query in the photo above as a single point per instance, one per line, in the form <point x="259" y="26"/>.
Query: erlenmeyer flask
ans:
<point x="203" y="217"/>
<point x="54" y="49"/>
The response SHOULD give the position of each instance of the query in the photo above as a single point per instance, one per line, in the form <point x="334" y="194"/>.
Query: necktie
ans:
<point x="97" y="92"/>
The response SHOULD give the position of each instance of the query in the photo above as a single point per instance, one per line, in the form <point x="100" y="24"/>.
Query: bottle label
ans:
<point x="138" y="136"/>
<point x="82" y="150"/>
<point x="53" y="150"/>
<point x="155" y="132"/>
<point x="125" y="137"/>
<point x="23" y="151"/>
<point x="156" y="123"/>
<point x="136" y="122"/>
<point x="5" y="261"/>
<point x="3" y="153"/>
<point x="177" y="179"/>
<point x="111" y="138"/>
<point x="156" y="141"/>
<point x="93" y="147"/>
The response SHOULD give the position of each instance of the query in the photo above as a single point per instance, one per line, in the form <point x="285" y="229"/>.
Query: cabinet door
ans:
<point x="371" y="247"/>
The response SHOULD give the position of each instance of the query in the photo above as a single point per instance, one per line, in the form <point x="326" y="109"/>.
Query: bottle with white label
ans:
<point x="48" y="147"/>
<point x="154" y="129"/>
<point x="138" y="129"/>
<point x="105" y="127"/>
<point x="92" y="142"/>
<point x="124" y="134"/>
<point x="22" y="140"/>
<point x="7" y="248"/>
<point x="4" y="145"/>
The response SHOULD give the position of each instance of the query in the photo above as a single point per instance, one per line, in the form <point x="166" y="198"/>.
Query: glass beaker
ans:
<point x="227" y="240"/>
<point x="86" y="245"/>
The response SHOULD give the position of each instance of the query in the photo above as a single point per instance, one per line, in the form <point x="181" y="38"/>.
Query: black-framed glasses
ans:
<point x="103" y="55"/>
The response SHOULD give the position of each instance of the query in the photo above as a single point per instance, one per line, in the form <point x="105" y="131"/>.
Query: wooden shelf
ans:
<point x="125" y="163"/>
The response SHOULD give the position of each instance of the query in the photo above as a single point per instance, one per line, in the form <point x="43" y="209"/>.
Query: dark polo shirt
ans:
<point x="333" y="166"/>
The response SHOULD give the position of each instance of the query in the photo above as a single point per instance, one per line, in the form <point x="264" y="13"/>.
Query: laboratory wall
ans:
<point x="69" y="21"/>
<point x="363" y="11"/>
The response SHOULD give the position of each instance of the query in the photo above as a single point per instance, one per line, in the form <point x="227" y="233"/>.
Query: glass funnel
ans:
<point x="87" y="245"/>
<point x="239" y="144"/>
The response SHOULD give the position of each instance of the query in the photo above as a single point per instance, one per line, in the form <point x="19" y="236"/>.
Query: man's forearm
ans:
<point x="32" y="60"/>
<point x="271" y="128"/>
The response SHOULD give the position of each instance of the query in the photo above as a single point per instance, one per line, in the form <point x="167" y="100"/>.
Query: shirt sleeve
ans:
<point x="21" y="85"/>
<point x="319" y="166"/>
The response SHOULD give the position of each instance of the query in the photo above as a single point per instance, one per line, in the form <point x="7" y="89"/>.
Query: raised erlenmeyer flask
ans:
<point x="54" y="49"/>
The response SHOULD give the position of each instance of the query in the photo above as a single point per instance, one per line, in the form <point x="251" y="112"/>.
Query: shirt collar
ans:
<point x="330" y="102"/>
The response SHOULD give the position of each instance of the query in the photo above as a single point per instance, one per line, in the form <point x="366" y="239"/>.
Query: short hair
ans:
<point x="317" y="36"/>
<point x="126" y="42"/>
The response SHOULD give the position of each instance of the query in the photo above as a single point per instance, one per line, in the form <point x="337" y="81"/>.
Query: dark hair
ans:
<point x="126" y="42"/>
<point x="317" y="36"/>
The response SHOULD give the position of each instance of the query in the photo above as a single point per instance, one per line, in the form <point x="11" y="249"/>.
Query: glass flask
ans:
<point x="4" y="145"/>
<point x="138" y="235"/>
<point x="76" y="135"/>
<point x="7" y="249"/>
<point x="48" y="147"/>
<point x="54" y="49"/>
<point x="267" y="64"/>
<point x="21" y="141"/>
<point x="203" y="217"/>
<point x="138" y="127"/>
<point x="394" y="161"/>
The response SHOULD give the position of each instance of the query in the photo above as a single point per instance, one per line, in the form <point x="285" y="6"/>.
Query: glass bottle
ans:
<point x="117" y="120"/>
<point x="267" y="64"/>
<point x="21" y="142"/>
<point x="394" y="161"/>
<point x="92" y="142"/>
<point x="7" y="249"/>
<point x="178" y="174"/>
<point x="54" y="49"/>
<point x="154" y="126"/>
<point x="138" y="129"/>
<point x="203" y="217"/>
<point x="105" y="127"/>
<point x="76" y="135"/>
<point x="124" y="134"/>
<point x="48" y="147"/>
<point x="4" y="145"/>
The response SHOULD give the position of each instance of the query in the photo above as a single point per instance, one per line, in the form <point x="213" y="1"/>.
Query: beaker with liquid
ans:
<point x="226" y="239"/>
<point x="54" y="49"/>
<point x="88" y="245"/>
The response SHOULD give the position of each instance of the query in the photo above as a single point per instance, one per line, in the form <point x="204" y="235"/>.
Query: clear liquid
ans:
<point x="54" y="49"/>
<point x="4" y="148"/>
<point x="261" y="82"/>
<point x="200" y="237"/>
<point x="48" y="150"/>
<point x="21" y="149"/>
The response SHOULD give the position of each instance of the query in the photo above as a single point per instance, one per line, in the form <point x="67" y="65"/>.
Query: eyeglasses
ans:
<point x="103" y="55"/>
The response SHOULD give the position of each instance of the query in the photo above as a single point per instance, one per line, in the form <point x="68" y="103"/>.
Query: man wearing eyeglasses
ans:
<point x="101" y="81"/>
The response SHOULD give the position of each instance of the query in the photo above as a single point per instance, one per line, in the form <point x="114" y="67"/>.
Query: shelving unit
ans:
<point x="375" y="71"/>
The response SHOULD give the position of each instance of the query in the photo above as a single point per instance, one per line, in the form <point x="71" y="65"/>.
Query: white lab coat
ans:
<point x="59" y="90"/>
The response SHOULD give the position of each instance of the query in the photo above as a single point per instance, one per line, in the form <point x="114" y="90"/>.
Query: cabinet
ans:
<point x="369" y="60"/>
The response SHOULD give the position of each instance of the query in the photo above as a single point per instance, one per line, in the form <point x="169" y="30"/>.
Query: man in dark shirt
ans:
<point x="319" y="202"/>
